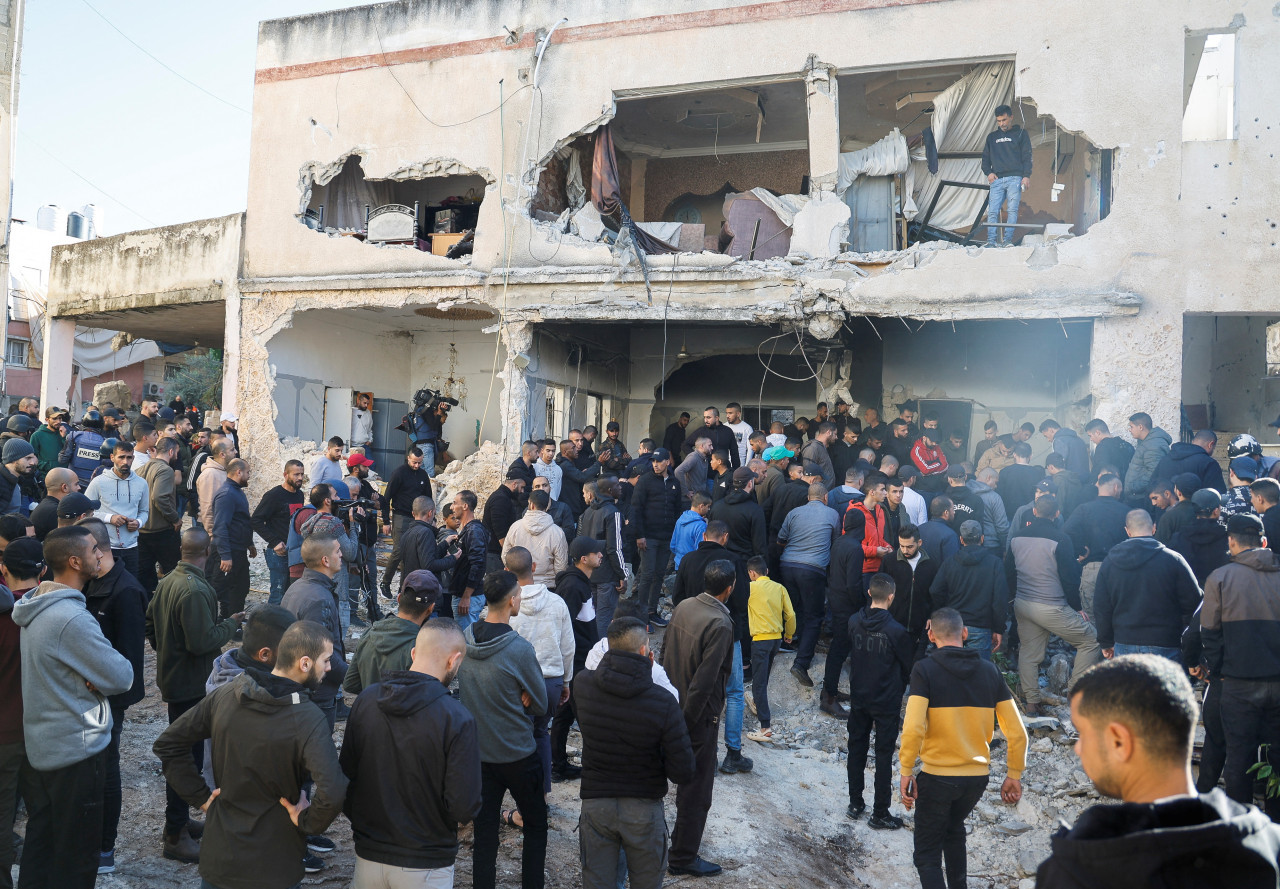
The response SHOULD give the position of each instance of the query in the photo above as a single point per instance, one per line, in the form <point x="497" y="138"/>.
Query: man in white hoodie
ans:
<point x="69" y="669"/>
<point x="542" y="537"/>
<point x="126" y="504"/>
<point x="543" y="620"/>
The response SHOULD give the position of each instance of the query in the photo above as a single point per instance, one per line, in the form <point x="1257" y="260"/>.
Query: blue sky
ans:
<point x="158" y="150"/>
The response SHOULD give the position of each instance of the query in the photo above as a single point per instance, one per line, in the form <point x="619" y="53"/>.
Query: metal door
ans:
<point x="389" y="443"/>
<point x="870" y="200"/>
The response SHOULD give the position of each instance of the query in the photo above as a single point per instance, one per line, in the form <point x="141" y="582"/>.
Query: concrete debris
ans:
<point x="1028" y="861"/>
<point x="821" y="226"/>
<point x="1012" y="828"/>
<point x="587" y="222"/>
<point x="116" y="392"/>
<point x="1041" y="723"/>
<point x="480" y="472"/>
<point x="1059" y="673"/>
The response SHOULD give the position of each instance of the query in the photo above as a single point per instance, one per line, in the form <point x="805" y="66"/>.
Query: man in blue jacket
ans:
<point x="232" y="539"/>
<point x="1006" y="161"/>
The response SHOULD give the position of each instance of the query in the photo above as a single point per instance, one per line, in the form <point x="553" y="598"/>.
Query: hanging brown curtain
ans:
<point x="606" y="194"/>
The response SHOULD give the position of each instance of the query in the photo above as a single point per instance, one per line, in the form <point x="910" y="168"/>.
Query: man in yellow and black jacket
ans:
<point x="948" y="725"/>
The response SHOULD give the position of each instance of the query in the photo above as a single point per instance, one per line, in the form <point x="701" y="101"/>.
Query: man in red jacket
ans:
<point x="874" y="545"/>
<point x="930" y="460"/>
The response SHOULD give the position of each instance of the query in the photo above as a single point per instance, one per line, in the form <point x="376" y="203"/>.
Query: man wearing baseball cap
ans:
<point x="1240" y="634"/>
<point x="228" y="422"/>
<point x="74" y="507"/>
<point x="388" y="646"/>
<point x="358" y="468"/>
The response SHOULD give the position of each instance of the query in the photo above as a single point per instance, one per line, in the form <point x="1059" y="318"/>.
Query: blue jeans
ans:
<point x="1007" y="189"/>
<point x="541" y="726"/>
<point x="279" y="568"/>
<point x="733" y="702"/>
<point x="473" y="615"/>
<point x="428" y="449"/>
<point x="980" y="640"/>
<point x="1172" y="653"/>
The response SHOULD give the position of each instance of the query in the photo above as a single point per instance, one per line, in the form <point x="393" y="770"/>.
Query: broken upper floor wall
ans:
<point x="413" y="90"/>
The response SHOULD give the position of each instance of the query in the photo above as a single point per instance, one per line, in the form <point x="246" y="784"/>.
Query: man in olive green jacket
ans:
<point x="158" y="538"/>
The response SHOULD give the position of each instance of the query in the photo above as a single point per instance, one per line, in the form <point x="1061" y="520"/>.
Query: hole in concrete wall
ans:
<point x="1209" y="88"/>
<point x="433" y="206"/>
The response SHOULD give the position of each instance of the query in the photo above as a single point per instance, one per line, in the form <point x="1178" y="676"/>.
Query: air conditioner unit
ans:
<point x="153" y="389"/>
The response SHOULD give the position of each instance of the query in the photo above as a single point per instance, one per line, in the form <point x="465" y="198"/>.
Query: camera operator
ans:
<point x="358" y="467"/>
<point x="318" y="517"/>
<point x="425" y="425"/>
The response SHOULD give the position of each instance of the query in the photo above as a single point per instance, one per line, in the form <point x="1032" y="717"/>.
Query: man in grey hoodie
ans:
<point x="1150" y="447"/>
<point x="68" y="671"/>
<point x="501" y="683"/>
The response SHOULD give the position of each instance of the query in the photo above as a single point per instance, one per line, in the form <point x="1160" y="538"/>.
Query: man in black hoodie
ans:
<point x="405" y="820"/>
<point x="603" y="522"/>
<point x="503" y="508"/>
<point x="625" y="774"/>
<point x="1095" y="527"/>
<point x="1183" y="513"/>
<point x="1006" y="161"/>
<point x="1195" y="457"/>
<point x="655" y="506"/>
<point x="744" y="516"/>
<point x="586" y="554"/>
<point x="1136" y="716"/>
<point x="879" y="667"/>
<point x="1203" y="543"/>
<point x="973" y="583"/>
<point x="1146" y="595"/>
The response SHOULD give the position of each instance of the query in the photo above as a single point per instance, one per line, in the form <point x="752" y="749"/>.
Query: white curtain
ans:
<point x="888" y="157"/>
<point x="964" y="113"/>
<point x="348" y="193"/>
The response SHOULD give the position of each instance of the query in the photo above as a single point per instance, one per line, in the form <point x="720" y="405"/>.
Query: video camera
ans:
<point x="430" y="399"/>
<point x="343" y="508"/>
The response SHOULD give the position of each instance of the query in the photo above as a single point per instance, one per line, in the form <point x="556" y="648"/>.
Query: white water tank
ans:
<point x="93" y="213"/>
<point x="51" y="218"/>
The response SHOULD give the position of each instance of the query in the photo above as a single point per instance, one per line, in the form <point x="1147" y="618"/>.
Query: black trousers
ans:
<point x="860" y="724"/>
<point x="1250" y="717"/>
<point x="693" y="800"/>
<point x="942" y="804"/>
<point x="112" y="792"/>
<point x="176" y="810"/>
<point x="157" y="547"/>
<point x="1213" y="756"/>
<point x="64" y="825"/>
<point x="129" y="557"/>
<point x="232" y="587"/>
<point x="560" y="726"/>
<point x="13" y="769"/>
<point x="524" y="779"/>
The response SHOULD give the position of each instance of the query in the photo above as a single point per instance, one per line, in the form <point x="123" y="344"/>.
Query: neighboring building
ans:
<point x="1160" y="298"/>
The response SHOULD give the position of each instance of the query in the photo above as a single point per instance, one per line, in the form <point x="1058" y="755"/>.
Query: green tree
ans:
<point x="199" y="382"/>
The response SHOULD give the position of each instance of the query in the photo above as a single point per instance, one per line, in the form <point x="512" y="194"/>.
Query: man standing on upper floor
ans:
<point x="1196" y="457"/>
<point x="1069" y="445"/>
<point x="1108" y="449"/>
<point x="1094" y="528"/>
<point x="722" y="439"/>
<point x="1006" y="162"/>
<point x="1152" y="446"/>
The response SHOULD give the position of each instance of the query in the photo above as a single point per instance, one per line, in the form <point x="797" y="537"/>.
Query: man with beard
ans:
<point x="17" y="476"/>
<point x="266" y="736"/>
<point x="126" y="504"/>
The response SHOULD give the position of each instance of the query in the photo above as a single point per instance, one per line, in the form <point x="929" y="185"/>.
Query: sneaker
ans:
<point x="884" y="822"/>
<point x="657" y="620"/>
<point x="181" y="848"/>
<point x="566" y="772"/>
<point x="312" y="865"/>
<point x="735" y="762"/>
<point x="321" y="845"/>
<point x="856" y="810"/>
<point x="699" y="867"/>
<point x="107" y="862"/>
<point x="787" y="648"/>
<point x="802" y="676"/>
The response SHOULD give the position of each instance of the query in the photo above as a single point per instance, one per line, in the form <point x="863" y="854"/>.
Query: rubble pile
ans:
<point x="481" y="472"/>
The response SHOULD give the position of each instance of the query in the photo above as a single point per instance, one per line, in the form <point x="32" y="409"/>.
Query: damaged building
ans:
<point x="562" y="214"/>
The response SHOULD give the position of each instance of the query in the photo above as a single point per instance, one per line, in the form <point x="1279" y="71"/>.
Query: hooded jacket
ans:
<point x="1185" y="842"/>
<point x="24" y="489"/>
<point x="634" y="737"/>
<point x="538" y="533"/>
<point x="969" y="506"/>
<point x="314" y="596"/>
<point x="1111" y="451"/>
<point x="545" y="621"/>
<point x="697" y="654"/>
<point x="874" y="521"/>
<point x="1040" y="565"/>
<point x="783" y="498"/>
<point x="911" y="597"/>
<point x="500" y="663"/>
<point x="845" y="594"/>
<point x="1147" y="455"/>
<point x="1145" y="595"/>
<point x="1187" y="456"/>
<point x="266" y="737"/>
<point x="183" y="627"/>
<point x="386" y="648"/>
<point x="411" y="756"/>
<point x="1069" y="488"/>
<point x="949" y="719"/>
<point x="574" y="588"/>
<point x="121" y="496"/>
<point x="1095" y="527"/>
<point x="995" y="520"/>
<point x="748" y="530"/>
<point x="119" y="603"/>
<point x="1017" y="486"/>
<point x="162" y="509"/>
<point x="1203" y="544"/>
<point x="1073" y="450"/>
<point x="63" y="651"/>
<point x="603" y="522"/>
<point x="690" y="582"/>
<point x="973" y="583"/>
<point x="213" y="475"/>
<point x="1007" y="153"/>
<point x="655" y="506"/>
<point x="881" y="655"/>
<point x="1240" y="619"/>
<point x="685" y="538"/>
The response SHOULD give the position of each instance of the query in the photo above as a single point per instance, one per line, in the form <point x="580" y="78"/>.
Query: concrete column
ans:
<point x="59" y="355"/>
<point x="1135" y="364"/>
<point x="822" y="99"/>
<point x="231" y="352"/>
<point x="514" y="401"/>
<point x="639" y="168"/>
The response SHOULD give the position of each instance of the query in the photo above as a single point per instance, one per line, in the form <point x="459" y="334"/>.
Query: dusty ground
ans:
<point x="783" y="825"/>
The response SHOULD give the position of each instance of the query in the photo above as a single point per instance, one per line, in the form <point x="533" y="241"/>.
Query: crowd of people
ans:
<point x="638" y="597"/>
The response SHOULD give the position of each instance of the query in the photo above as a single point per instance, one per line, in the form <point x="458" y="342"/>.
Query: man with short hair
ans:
<point x="212" y="476"/>
<point x="468" y="573"/>
<point x="1006" y="162"/>
<point x="1136" y="718"/>
<point x="1071" y="446"/>
<point x="266" y="736"/>
<point x="741" y="430"/>
<point x="421" y="548"/>
<point x="1203" y="543"/>
<point x="697" y="653"/>
<point x="995" y="519"/>
<point x="501" y="683"/>
<point x="1183" y="512"/>
<point x="69" y="670"/>
<point x="655" y="506"/>
<point x="1195" y="457"/>
<point x="936" y="536"/>
<point x="625" y="775"/>
<point x="1146" y="594"/>
<point x="815" y="451"/>
<point x="1162" y="499"/>
<point x="405" y="822"/>
<point x="233" y="539"/>
<point x="1095" y="527"/>
<point x="956" y="700"/>
<point x="1000" y="456"/>
<point x="574" y="586"/>
<point x="544" y="540"/>
<point x="953" y="448"/>
<point x="673" y="438"/>
<point x="913" y="502"/>
<point x="388" y="646"/>
<point x="574" y="479"/>
<point x="722" y="439"/>
<point x="1264" y="494"/>
<point x="145" y="435"/>
<point x="501" y="510"/>
<point x="546" y="467"/>
<point x="1238" y="632"/>
<point x="1152" y="444"/>
<point x="270" y="520"/>
<point x="1108" y="449"/>
<point x="1017" y="481"/>
<point x="158" y="542"/>
<point x="58" y="483"/>
<point x="844" y="452"/>
<point x="875" y="542"/>
<point x="183" y="627"/>
<point x="966" y="504"/>
<point x="611" y="452"/>
<point x="913" y="573"/>
<point x="1041" y="568"/>
<point x="603" y="522"/>
<point x="315" y="597"/>
<point x="929" y="459"/>
<point x="748" y="530"/>
<point x="326" y="468"/>
<point x="806" y="536"/>
<point x="972" y="582"/>
<point x="692" y="471"/>
<point x="126" y="504"/>
<point x="407" y="483"/>
<point x="49" y="439"/>
<point x="990" y="435"/>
